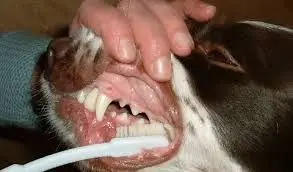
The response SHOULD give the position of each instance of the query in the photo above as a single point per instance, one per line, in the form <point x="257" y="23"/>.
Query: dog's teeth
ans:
<point x="140" y="121"/>
<point x="102" y="104"/>
<point x="141" y="130"/>
<point x="123" y="116"/>
<point x="81" y="96"/>
<point x="122" y="103"/>
<point x="113" y="114"/>
<point x="158" y="128"/>
<point x="132" y="131"/>
<point x="90" y="100"/>
<point x="134" y="110"/>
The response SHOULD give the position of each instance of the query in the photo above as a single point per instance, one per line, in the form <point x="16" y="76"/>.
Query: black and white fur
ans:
<point x="233" y="121"/>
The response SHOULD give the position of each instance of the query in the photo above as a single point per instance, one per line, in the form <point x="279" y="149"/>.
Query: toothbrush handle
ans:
<point x="14" y="168"/>
<point x="117" y="147"/>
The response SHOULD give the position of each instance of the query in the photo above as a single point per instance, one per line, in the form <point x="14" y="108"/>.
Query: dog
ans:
<point x="228" y="107"/>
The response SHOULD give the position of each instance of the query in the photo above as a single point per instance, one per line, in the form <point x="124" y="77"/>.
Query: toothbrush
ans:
<point x="117" y="147"/>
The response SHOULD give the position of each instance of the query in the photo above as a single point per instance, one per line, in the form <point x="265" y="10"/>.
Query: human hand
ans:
<point x="156" y="27"/>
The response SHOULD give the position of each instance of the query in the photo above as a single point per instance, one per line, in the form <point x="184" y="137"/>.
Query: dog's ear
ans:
<point x="215" y="54"/>
<point x="218" y="55"/>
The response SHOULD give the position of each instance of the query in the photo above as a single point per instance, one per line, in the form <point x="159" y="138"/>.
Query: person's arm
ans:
<point x="156" y="26"/>
<point x="19" y="52"/>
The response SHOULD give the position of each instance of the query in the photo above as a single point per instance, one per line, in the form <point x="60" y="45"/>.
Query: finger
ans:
<point x="105" y="20"/>
<point x="151" y="38"/>
<point x="180" y="40"/>
<point x="199" y="10"/>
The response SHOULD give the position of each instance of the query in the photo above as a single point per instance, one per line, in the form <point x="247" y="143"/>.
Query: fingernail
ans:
<point x="183" y="41"/>
<point x="161" y="69"/>
<point x="209" y="9"/>
<point x="126" y="50"/>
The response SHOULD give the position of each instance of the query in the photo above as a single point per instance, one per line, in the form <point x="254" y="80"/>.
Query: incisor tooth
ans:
<point x="101" y="106"/>
<point x="81" y="96"/>
<point x="90" y="100"/>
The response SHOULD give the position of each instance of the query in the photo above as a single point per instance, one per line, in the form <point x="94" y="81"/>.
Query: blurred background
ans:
<point x="45" y="16"/>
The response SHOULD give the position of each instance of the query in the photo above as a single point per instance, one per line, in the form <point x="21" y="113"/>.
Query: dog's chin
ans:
<point x="120" y="103"/>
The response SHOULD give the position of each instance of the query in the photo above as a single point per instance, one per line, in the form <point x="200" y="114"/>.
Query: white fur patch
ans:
<point x="200" y="151"/>
<point x="87" y="42"/>
<point x="268" y="26"/>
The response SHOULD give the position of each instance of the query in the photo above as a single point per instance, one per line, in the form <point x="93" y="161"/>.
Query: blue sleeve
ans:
<point x="19" y="52"/>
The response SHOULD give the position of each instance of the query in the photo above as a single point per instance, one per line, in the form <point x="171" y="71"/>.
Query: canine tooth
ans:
<point x="122" y="103"/>
<point x="134" y="110"/>
<point x="90" y="100"/>
<point x="102" y="104"/>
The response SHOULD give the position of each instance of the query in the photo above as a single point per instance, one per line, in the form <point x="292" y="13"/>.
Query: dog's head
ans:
<point x="227" y="108"/>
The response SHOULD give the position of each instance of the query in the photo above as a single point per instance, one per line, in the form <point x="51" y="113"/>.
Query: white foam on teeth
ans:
<point x="141" y="130"/>
<point x="90" y="100"/>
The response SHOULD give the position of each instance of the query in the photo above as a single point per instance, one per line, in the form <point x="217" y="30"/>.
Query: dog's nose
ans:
<point x="57" y="50"/>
